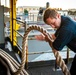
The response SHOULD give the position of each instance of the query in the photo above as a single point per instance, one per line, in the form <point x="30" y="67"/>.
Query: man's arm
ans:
<point x="44" y="38"/>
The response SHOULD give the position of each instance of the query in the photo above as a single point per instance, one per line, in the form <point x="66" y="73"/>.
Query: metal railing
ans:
<point x="32" y="38"/>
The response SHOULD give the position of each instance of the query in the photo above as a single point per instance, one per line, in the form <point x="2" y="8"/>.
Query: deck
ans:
<point x="46" y="68"/>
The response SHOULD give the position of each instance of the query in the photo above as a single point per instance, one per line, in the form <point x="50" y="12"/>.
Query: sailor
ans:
<point x="65" y="34"/>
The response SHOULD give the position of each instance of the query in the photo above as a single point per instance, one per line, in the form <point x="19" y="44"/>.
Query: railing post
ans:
<point x="67" y="56"/>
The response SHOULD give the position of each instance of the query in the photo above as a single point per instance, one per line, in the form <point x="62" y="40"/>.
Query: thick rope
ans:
<point x="18" y="69"/>
<point x="59" y="60"/>
<point x="13" y="64"/>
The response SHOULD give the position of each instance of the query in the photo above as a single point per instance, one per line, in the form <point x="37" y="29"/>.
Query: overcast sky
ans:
<point x="65" y="4"/>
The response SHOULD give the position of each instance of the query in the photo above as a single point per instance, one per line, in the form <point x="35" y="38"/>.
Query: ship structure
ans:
<point x="21" y="53"/>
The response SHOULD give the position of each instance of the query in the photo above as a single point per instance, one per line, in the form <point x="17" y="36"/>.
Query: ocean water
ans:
<point x="41" y="46"/>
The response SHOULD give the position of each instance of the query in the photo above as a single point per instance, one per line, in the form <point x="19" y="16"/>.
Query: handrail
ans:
<point x="18" y="33"/>
<point x="31" y="53"/>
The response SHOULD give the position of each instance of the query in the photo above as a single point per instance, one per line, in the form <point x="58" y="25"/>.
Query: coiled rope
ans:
<point x="13" y="64"/>
<point x="59" y="60"/>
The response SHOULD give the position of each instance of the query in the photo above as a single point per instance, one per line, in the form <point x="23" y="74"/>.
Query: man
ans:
<point x="65" y="34"/>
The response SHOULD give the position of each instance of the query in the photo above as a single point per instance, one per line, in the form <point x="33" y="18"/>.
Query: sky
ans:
<point x="64" y="4"/>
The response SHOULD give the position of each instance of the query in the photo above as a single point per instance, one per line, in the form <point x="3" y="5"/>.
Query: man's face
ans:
<point x="54" y="22"/>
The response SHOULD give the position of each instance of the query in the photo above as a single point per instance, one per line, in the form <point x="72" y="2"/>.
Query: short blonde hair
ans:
<point x="49" y="13"/>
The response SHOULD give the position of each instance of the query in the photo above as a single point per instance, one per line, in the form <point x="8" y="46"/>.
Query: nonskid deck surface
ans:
<point x="46" y="68"/>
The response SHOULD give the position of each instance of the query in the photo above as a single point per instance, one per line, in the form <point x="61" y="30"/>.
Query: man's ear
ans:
<point x="58" y="15"/>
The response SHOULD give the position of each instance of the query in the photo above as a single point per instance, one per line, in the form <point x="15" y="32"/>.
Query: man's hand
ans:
<point x="40" y="37"/>
<point x="44" y="38"/>
<point x="53" y="36"/>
